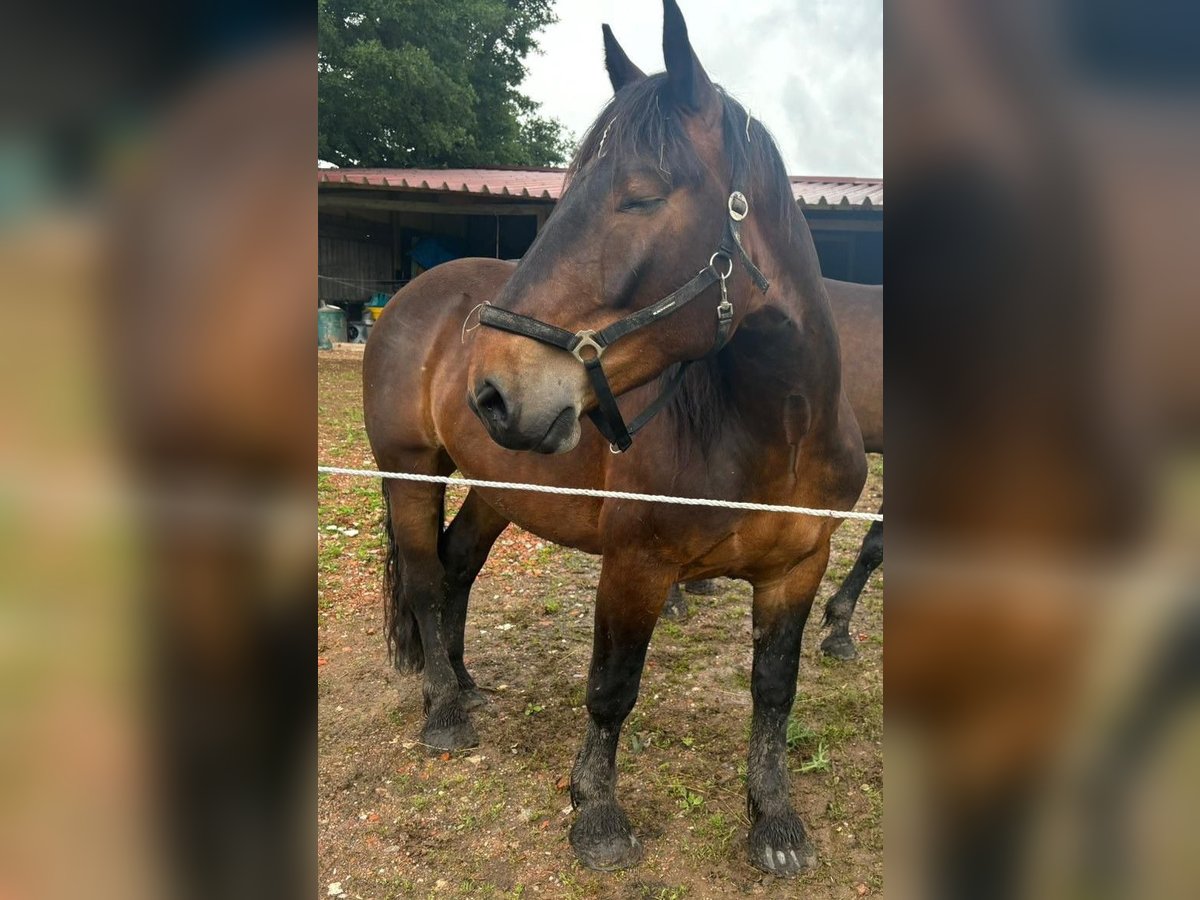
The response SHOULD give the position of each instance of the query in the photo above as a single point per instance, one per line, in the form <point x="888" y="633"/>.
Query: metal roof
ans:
<point x="546" y="184"/>
<point x="538" y="184"/>
<point x="837" y="193"/>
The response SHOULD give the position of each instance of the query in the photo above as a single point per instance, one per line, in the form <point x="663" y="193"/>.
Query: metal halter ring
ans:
<point x="743" y="206"/>
<point x="728" y="260"/>
<point x="587" y="339"/>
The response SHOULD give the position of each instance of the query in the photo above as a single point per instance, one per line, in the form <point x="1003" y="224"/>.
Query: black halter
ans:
<point x="588" y="346"/>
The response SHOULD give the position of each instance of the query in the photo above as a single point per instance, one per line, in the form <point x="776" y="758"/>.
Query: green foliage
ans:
<point x="431" y="83"/>
<point x="819" y="762"/>
<point x="689" y="800"/>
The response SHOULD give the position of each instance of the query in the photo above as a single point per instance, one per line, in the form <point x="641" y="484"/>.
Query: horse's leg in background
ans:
<point x="628" y="603"/>
<point x="416" y="619"/>
<point x="464" y="549"/>
<point x="676" y="607"/>
<point x="840" y="607"/>
<point x="777" y="842"/>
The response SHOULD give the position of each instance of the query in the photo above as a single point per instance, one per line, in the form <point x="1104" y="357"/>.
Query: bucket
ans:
<point x="331" y="327"/>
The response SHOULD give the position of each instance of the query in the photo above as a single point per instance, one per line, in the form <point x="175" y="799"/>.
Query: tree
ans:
<point x="431" y="83"/>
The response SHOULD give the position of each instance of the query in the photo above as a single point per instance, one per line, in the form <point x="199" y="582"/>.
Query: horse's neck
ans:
<point x="786" y="346"/>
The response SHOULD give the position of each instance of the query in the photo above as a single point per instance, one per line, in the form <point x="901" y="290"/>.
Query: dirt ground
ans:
<point x="396" y="821"/>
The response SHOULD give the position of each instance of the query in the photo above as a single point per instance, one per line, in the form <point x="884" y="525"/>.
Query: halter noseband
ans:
<point x="588" y="346"/>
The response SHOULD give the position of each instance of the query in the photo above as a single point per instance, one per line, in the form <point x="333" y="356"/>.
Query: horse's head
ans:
<point x="647" y="204"/>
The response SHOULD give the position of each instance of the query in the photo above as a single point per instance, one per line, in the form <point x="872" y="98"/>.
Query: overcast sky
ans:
<point x="810" y="70"/>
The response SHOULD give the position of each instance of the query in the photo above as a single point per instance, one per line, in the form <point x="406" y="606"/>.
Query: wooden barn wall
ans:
<point x="355" y="256"/>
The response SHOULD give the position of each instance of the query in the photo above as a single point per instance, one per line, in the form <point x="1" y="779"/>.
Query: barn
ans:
<point x="379" y="228"/>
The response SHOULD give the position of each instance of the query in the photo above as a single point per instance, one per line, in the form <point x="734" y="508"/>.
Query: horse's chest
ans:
<point x="754" y="542"/>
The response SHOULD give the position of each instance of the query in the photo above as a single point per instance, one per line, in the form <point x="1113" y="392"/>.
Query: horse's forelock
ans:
<point x="640" y="124"/>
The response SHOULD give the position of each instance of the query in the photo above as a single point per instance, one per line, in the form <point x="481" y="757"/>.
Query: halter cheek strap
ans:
<point x="588" y="346"/>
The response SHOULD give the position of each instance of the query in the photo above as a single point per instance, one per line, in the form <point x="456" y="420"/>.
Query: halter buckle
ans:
<point x="586" y="339"/>
<point x="739" y="206"/>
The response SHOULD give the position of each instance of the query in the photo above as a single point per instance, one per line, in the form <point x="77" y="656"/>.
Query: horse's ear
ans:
<point x="621" y="71"/>
<point x="687" y="79"/>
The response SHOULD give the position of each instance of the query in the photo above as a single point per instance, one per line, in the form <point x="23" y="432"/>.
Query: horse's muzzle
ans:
<point x="516" y="426"/>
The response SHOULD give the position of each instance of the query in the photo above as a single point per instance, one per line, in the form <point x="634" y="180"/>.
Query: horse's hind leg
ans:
<point x="840" y="607"/>
<point x="628" y="603"/>
<point x="463" y="549"/>
<point x="417" y="633"/>
<point x="676" y="607"/>
<point x="777" y="842"/>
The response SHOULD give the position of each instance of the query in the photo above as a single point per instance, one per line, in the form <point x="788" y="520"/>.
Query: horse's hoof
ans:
<point x="449" y="731"/>
<point x="704" y="588"/>
<point x="777" y="845"/>
<point x="473" y="699"/>
<point x="603" y="839"/>
<point x="839" y="646"/>
<point x="676" y="608"/>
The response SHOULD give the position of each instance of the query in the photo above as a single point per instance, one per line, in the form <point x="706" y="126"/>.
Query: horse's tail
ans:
<point x="399" y="622"/>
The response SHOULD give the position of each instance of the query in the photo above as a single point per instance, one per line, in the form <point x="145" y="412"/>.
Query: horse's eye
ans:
<point x="642" y="204"/>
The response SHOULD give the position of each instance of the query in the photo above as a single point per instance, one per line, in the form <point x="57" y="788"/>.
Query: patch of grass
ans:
<point x="798" y="734"/>
<point x="837" y="734"/>
<point x="717" y="830"/>
<point x="818" y="762"/>
<point x="688" y="799"/>
<point x="400" y="888"/>
<point x="329" y="553"/>
<point x="551" y="606"/>
<point x="835" y="809"/>
<point x="646" y="891"/>
<point x="639" y="737"/>
<point x="680" y="665"/>
<point x="469" y="887"/>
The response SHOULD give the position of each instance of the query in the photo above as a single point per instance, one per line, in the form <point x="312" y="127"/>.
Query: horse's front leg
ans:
<point x="777" y="842"/>
<point x="630" y="597"/>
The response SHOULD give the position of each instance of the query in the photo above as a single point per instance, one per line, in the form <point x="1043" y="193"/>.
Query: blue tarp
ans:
<point x="428" y="252"/>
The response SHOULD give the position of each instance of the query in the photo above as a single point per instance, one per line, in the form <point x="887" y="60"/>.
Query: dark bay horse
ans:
<point x="858" y="313"/>
<point x="672" y="170"/>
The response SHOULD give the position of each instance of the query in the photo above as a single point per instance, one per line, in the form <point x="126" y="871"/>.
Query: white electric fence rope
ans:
<point x="614" y="495"/>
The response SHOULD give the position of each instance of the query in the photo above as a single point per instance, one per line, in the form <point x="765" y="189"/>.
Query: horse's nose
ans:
<point x="490" y="402"/>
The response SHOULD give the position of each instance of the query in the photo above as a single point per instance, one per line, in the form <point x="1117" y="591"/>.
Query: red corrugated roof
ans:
<point x="831" y="193"/>
<point x="546" y="184"/>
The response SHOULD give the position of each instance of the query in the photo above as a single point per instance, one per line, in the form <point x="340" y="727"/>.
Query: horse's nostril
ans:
<point x="491" y="403"/>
